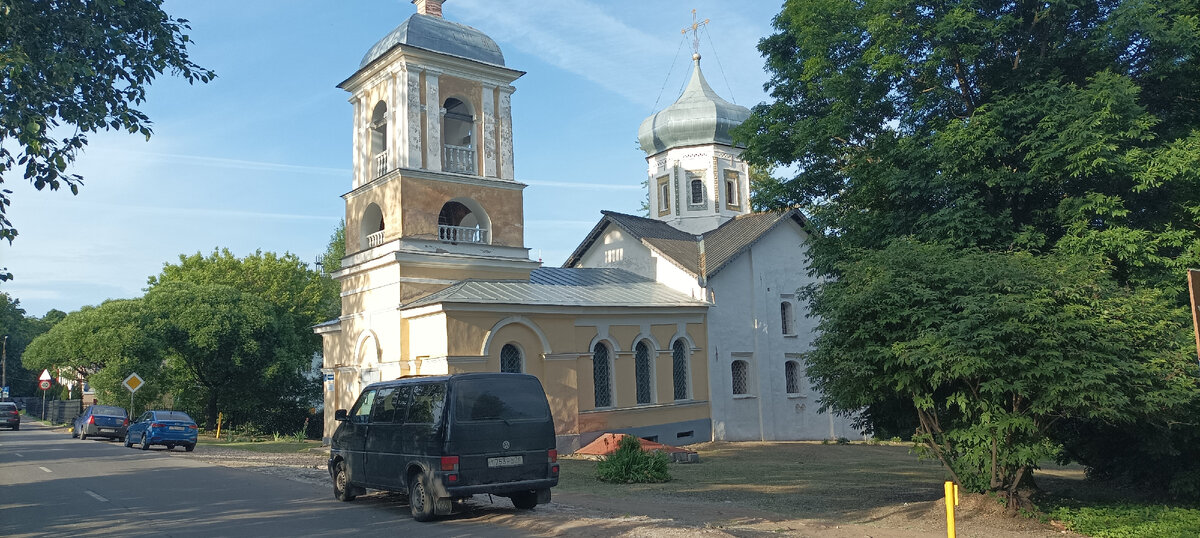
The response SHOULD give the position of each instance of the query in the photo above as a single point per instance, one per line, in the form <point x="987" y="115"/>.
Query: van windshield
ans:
<point x="521" y="398"/>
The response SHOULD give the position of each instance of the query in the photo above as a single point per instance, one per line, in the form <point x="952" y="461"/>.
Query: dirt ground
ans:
<point x="738" y="489"/>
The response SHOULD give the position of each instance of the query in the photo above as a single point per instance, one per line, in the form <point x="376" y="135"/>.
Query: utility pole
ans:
<point x="4" y="364"/>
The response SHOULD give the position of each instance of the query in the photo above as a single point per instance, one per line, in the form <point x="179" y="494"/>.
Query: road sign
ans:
<point x="44" y="384"/>
<point x="133" y="382"/>
<point x="4" y="392"/>
<point x="45" y="376"/>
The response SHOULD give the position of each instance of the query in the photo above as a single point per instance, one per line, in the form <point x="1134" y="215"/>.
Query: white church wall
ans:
<point x="617" y="249"/>
<point x="676" y="278"/>
<point x="731" y="329"/>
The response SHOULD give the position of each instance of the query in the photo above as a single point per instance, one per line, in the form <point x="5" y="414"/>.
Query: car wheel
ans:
<point x="128" y="442"/>
<point x="190" y="447"/>
<point x="420" y="498"/>
<point x="74" y="434"/>
<point x="342" y="490"/>
<point x="145" y="442"/>
<point x="17" y="428"/>
<point x="525" y="500"/>
<point x="82" y="435"/>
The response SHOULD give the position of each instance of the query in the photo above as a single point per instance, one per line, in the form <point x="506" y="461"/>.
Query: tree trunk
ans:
<point x="210" y="411"/>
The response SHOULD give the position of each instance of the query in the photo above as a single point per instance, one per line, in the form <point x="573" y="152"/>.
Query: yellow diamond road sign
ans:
<point x="133" y="382"/>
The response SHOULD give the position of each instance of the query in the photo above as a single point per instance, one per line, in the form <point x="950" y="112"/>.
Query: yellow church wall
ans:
<point x="698" y="363"/>
<point x="604" y="420"/>
<point x="435" y="336"/>
<point x="387" y="197"/>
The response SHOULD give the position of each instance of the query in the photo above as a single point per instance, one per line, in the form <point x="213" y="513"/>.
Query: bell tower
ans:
<point x="433" y="153"/>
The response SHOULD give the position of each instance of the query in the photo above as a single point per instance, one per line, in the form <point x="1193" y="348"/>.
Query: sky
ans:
<point x="258" y="158"/>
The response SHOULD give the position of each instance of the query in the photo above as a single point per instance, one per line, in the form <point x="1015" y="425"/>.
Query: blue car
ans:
<point x="168" y="428"/>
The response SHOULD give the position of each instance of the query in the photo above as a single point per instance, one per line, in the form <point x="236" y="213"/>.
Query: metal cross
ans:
<point x="695" y="30"/>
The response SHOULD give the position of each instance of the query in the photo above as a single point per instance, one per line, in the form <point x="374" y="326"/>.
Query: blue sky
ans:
<point x="258" y="158"/>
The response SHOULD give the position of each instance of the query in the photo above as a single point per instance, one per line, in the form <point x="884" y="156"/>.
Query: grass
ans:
<point x="1122" y="520"/>
<point x="803" y="480"/>
<point x="283" y="446"/>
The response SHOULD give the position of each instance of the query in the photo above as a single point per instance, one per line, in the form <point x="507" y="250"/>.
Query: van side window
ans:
<point x="386" y="408"/>
<point x="427" y="403"/>
<point x="400" y="400"/>
<point x="362" y="408"/>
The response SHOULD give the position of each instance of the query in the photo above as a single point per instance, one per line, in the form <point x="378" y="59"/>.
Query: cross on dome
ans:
<point x="695" y="30"/>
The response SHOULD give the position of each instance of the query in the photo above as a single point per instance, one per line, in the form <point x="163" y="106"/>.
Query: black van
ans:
<point x="445" y="438"/>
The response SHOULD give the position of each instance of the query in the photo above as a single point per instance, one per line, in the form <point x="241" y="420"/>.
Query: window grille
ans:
<point x="679" y="367"/>
<point x="643" y="373"/>
<point x="602" y="376"/>
<point x="792" y="374"/>
<point x="510" y="359"/>
<point x="664" y="197"/>
<point x="741" y="377"/>
<point x="697" y="192"/>
<point x="785" y="312"/>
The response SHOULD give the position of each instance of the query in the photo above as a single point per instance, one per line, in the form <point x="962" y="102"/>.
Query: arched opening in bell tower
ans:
<point x="371" y="227"/>
<point x="463" y="220"/>
<point x="458" y="133"/>
<point x="379" y="154"/>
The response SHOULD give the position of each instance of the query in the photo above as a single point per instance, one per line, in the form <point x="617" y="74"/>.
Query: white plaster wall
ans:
<point x="615" y="248"/>
<point x="746" y="320"/>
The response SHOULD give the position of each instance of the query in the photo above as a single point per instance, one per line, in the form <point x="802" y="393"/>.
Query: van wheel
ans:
<point x="420" y="498"/>
<point x="524" y="500"/>
<point x="342" y="490"/>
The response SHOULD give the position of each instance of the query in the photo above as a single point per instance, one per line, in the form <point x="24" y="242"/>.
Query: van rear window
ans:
<point x="107" y="411"/>
<point x="521" y="398"/>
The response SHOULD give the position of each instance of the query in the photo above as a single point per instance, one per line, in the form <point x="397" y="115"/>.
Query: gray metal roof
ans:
<point x="564" y="287"/>
<point x="438" y="35"/>
<point x="721" y="245"/>
<point x="699" y="116"/>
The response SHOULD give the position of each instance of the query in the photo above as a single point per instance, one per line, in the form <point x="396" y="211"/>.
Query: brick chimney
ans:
<point x="429" y="7"/>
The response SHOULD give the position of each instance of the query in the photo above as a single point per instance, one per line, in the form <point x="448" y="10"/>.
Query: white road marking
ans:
<point x="95" y="496"/>
<point x="19" y="455"/>
<point x="45" y="469"/>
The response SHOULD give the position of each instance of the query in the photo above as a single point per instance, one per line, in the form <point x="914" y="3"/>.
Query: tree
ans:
<point x="20" y="329"/>
<point x="103" y="345"/>
<point x="331" y="260"/>
<point x="83" y="65"/>
<point x="231" y="345"/>
<point x="1049" y="138"/>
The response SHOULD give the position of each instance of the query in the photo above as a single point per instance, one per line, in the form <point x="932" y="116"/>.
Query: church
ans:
<point x="679" y="328"/>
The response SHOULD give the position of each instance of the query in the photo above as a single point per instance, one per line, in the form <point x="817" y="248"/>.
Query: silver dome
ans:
<point x="698" y="117"/>
<point x="438" y="35"/>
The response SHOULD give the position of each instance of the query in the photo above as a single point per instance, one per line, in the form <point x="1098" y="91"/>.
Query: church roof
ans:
<point x="438" y="35"/>
<point x="721" y="246"/>
<point x="698" y="117"/>
<point x="555" y="286"/>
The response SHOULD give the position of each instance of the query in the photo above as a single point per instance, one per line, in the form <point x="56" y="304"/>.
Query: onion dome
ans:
<point x="698" y="117"/>
<point x="433" y="33"/>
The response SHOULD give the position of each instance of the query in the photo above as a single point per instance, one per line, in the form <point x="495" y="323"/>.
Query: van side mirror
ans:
<point x="340" y="415"/>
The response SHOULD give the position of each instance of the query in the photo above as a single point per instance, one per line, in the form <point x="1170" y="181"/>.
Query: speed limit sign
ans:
<point x="44" y="384"/>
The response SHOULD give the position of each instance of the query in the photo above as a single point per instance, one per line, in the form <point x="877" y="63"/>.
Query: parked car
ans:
<point x="169" y="428"/>
<point x="101" y="421"/>
<point x="10" y="417"/>
<point x="445" y="438"/>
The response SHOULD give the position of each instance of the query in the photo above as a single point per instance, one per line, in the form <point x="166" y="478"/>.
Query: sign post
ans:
<point x="133" y="383"/>
<point x="1194" y="293"/>
<point x="44" y="384"/>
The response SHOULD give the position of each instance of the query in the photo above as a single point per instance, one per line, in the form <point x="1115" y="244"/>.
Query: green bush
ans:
<point x="629" y="464"/>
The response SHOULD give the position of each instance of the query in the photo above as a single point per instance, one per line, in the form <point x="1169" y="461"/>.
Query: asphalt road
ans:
<point x="53" y="485"/>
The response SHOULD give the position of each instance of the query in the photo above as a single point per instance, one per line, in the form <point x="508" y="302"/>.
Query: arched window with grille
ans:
<point x="740" y="371"/>
<point x="643" y="373"/>
<point x="785" y="313"/>
<point x="602" y="375"/>
<point x="510" y="359"/>
<point x="791" y="373"/>
<point x="679" y="369"/>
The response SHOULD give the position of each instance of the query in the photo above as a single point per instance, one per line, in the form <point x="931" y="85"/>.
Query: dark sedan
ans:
<point x="101" y="421"/>
<point x="10" y="417"/>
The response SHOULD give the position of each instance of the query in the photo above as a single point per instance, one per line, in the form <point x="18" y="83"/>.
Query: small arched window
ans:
<point x="785" y="313"/>
<point x="791" y="374"/>
<point x="602" y="375"/>
<point x="740" y="371"/>
<point x="379" y="155"/>
<point x="458" y="223"/>
<point x="643" y="373"/>
<point x="510" y="359"/>
<point x="679" y="369"/>
<point x="371" y="227"/>
<point x="458" y="131"/>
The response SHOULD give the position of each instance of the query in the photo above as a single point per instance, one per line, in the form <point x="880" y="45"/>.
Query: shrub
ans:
<point x="630" y="464"/>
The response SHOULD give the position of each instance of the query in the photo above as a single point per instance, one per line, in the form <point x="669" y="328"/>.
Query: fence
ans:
<point x="57" y="411"/>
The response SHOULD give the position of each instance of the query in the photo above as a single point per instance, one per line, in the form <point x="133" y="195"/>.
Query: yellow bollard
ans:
<point x="951" y="500"/>
<point x="219" y="426"/>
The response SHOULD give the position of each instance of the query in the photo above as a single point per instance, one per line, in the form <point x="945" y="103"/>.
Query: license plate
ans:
<point x="506" y="461"/>
<point x="106" y="430"/>
<point x="176" y="428"/>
